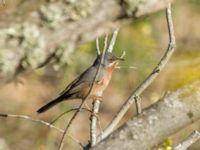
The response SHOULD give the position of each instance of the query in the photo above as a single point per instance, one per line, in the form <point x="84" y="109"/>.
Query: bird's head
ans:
<point x="109" y="60"/>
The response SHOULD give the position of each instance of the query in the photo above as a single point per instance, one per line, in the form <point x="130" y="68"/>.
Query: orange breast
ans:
<point x="101" y="86"/>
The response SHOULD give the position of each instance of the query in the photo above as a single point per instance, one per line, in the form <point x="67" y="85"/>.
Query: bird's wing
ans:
<point x="83" y="81"/>
<point x="69" y="86"/>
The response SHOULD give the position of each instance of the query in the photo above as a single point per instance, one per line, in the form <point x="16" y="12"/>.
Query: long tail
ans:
<point x="50" y="104"/>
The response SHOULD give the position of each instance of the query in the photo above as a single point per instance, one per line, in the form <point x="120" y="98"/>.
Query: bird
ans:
<point x="80" y="87"/>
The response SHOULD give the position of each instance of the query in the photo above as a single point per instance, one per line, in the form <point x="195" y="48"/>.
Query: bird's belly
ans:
<point x="101" y="85"/>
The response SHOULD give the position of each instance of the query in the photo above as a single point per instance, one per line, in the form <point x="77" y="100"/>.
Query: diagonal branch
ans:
<point x="170" y="114"/>
<point x="25" y="117"/>
<point x="186" y="143"/>
<point x="104" y="16"/>
<point x="65" y="112"/>
<point x="147" y="81"/>
<point x="97" y="102"/>
<point x="113" y="40"/>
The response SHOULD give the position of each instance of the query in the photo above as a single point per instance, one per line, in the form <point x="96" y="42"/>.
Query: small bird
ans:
<point x="80" y="87"/>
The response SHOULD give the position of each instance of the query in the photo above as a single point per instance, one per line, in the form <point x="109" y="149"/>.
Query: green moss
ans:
<point x="22" y="40"/>
<point x="51" y="15"/>
<point x="55" y="13"/>
<point x="77" y="9"/>
<point x="131" y="6"/>
<point x="8" y="61"/>
<point x="63" y="55"/>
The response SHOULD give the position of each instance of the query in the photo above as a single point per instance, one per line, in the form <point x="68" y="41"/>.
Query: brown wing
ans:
<point x="83" y="81"/>
<point x="69" y="86"/>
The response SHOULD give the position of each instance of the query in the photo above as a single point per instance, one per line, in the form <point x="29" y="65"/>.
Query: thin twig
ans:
<point x="147" y="81"/>
<point x="138" y="105"/>
<point x="25" y="117"/>
<point x="97" y="46"/>
<point x="65" y="112"/>
<point x="113" y="40"/>
<point x="191" y="139"/>
<point x="76" y="113"/>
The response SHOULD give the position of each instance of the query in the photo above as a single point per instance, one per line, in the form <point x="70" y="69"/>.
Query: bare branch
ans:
<point x="105" y="16"/>
<point x="96" y="103"/>
<point x="138" y="105"/>
<point x="93" y="125"/>
<point x="170" y="114"/>
<point x="32" y="119"/>
<point x="191" y="139"/>
<point x="113" y="40"/>
<point x="147" y="81"/>
<point x="97" y="46"/>
<point x="105" y="43"/>
<point x="25" y="117"/>
<point x="68" y="111"/>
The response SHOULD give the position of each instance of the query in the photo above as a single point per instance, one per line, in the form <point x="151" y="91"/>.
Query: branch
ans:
<point x="170" y="114"/>
<point x="104" y="16"/>
<point x="65" y="112"/>
<point x="96" y="102"/>
<point x="97" y="47"/>
<point x="147" y="81"/>
<point x="138" y="104"/>
<point x="191" y="139"/>
<point x="25" y="117"/>
<point x="113" y="40"/>
<point x="93" y="124"/>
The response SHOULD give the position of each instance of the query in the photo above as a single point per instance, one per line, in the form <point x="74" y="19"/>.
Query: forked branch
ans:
<point x="147" y="81"/>
<point x="186" y="143"/>
<point x="97" y="102"/>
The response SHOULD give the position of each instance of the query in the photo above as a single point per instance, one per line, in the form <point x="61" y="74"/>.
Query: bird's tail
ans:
<point x="50" y="104"/>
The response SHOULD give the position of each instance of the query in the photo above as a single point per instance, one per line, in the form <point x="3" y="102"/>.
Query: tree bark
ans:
<point x="97" y="18"/>
<point x="170" y="114"/>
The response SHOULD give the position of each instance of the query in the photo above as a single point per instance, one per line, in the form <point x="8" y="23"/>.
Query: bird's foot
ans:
<point x="94" y="98"/>
<point x="94" y="114"/>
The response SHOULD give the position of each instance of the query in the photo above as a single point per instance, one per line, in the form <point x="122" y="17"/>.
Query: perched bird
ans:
<point x="80" y="87"/>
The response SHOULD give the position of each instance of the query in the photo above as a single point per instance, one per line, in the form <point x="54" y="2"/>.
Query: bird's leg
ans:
<point x="95" y="97"/>
<point x="94" y="114"/>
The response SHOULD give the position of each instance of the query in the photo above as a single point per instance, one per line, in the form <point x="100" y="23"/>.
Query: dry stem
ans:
<point x="147" y="81"/>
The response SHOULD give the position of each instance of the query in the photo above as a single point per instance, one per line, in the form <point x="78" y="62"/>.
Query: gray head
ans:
<point x="109" y="59"/>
